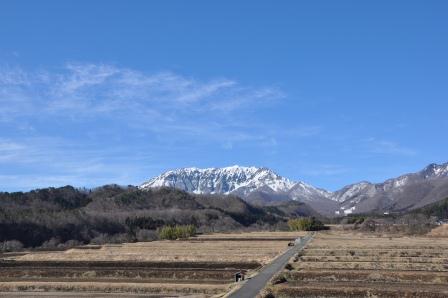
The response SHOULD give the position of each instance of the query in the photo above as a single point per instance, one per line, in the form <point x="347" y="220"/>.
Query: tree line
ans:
<point x="66" y="216"/>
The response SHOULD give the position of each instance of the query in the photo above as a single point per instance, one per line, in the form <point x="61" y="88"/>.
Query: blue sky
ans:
<point x="328" y="92"/>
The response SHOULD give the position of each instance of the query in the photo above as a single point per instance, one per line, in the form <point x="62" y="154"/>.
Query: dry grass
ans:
<point x="345" y="290"/>
<point x="339" y="240"/>
<point x="171" y="251"/>
<point x="120" y="274"/>
<point x="105" y="287"/>
<point x="198" y="250"/>
<point x="197" y="266"/>
<point x="440" y="231"/>
<point x="418" y="277"/>
<point x="374" y="258"/>
<point x="252" y="235"/>
<point x="370" y="266"/>
<point x="365" y="252"/>
<point x="338" y="263"/>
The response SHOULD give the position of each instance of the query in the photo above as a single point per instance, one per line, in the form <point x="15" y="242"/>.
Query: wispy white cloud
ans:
<point x="87" y="123"/>
<point x="90" y="87"/>
<point x="9" y="150"/>
<point x="42" y="162"/>
<point x="43" y="110"/>
<point x="99" y="90"/>
<point x="379" y="146"/>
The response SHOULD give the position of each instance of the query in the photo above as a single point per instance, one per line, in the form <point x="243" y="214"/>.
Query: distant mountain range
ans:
<point x="263" y="186"/>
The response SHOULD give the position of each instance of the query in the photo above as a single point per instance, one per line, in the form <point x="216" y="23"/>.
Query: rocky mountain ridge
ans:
<point x="263" y="185"/>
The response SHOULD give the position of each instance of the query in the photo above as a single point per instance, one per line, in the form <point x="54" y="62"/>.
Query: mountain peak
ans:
<point x="260" y="183"/>
<point x="435" y="170"/>
<point x="232" y="179"/>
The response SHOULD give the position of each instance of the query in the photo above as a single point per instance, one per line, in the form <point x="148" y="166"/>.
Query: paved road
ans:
<point x="253" y="286"/>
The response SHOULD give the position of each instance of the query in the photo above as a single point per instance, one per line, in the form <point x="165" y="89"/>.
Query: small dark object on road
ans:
<point x="240" y="276"/>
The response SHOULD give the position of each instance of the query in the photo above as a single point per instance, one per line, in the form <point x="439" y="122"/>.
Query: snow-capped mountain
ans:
<point x="435" y="171"/>
<point x="221" y="180"/>
<point x="263" y="185"/>
<point x="353" y="191"/>
<point x="236" y="180"/>
<point x="302" y="191"/>
<point x="405" y="192"/>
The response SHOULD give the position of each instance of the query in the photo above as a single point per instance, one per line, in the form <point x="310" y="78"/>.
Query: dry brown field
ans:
<point x="202" y="266"/>
<point x="440" y="231"/>
<point x="337" y="263"/>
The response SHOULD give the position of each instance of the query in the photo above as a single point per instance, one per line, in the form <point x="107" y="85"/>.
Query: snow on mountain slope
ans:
<point x="221" y="180"/>
<point x="352" y="191"/>
<point x="236" y="180"/>
<point x="301" y="190"/>
<point x="435" y="171"/>
<point x="402" y="193"/>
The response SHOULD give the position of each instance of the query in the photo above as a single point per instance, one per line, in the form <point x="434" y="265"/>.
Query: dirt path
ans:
<point x="253" y="286"/>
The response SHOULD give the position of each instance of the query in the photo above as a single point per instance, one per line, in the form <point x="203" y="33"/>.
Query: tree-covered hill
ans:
<point x="111" y="213"/>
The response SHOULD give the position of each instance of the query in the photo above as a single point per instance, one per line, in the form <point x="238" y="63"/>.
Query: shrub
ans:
<point x="289" y="267"/>
<point x="70" y="244"/>
<point x="121" y="238"/>
<point x="278" y="279"/>
<point x="11" y="245"/>
<point x="177" y="232"/>
<point x="100" y="239"/>
<point x="50" y="244"/>
<point x="353" y="219"/>
<point x="267" y="293"/>
<point x="146" y="235"/>
<point x="305" y="224"/>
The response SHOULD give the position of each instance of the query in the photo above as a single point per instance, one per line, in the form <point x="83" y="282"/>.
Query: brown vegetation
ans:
<point x="204" y="266"/>
<point x="348" y="264"/>
<point x="107" y="287"/>
<point x="440" y="231"/>
<point x="170" y="251"/>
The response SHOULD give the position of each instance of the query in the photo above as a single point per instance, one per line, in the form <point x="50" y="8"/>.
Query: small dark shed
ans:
<point x="240" y="276"/>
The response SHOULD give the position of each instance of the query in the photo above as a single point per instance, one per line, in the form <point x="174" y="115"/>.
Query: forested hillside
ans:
<point x="67" y="216"/>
